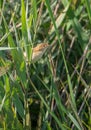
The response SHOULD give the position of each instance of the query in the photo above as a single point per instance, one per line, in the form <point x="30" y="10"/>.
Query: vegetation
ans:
<point x="53" y="93"/>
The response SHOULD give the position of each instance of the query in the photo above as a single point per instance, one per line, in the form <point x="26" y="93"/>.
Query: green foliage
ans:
<point x="53" y="93"/>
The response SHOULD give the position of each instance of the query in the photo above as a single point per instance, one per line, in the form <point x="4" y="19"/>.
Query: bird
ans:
<point x="39" y="51"/>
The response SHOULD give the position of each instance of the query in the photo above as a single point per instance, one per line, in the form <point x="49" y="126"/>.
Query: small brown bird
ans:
<point x="38" y="51"/>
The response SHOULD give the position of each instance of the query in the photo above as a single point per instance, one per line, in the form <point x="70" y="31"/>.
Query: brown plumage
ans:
<point x="38" y="51"/>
